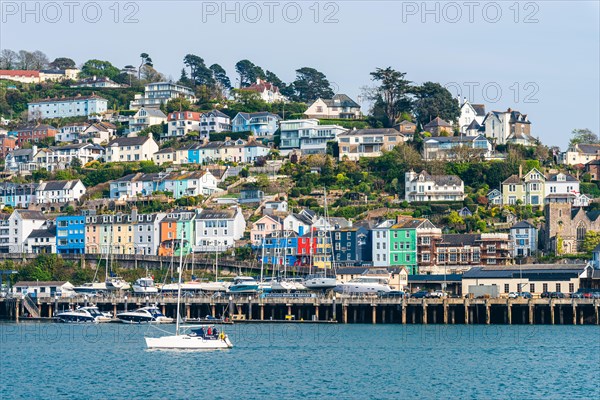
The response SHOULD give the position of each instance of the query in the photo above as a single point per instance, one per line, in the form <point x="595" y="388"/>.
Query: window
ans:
<point x="425" y="257"/>
<point x="407" y="258"/>
<point x="506" y="288"/>
<point x="558" y="287"/>
<point x="395" y="257"/>
<point x="571" y="287"/>
<point x="544" y="287"/>
<point x="532" y="287"/>
<point x="407" y="235"/>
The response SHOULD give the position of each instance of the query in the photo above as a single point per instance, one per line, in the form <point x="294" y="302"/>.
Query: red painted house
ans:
<point x="304" y="249"/>
<point x="35" y="134"/>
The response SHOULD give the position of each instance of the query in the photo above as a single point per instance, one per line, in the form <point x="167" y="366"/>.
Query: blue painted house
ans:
<point x="352" y="245"/>
<point x="280" y="247"/>
<point x="70" y="234"/>
<point x="260" y="124"/>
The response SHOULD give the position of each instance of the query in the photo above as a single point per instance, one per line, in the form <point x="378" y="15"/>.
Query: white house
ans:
<point x="425" y="187"/>
<point x="95" y="82"/>
<point x="79" y="106"/>
<point x="145" y="118"/>
<point x="380" y="242"/>
<point x="217" y="230"/>
<point x="214" y="122"/>
<point x="59" y="191"/>
<point x="525" y="239"/>
<point x="147" y="232"/>
<point x="561" y="183"/>
<point x="307" y="135"/>
<point x="339" y="107"/>
<point x="21" y="223"/>
<point x="195" y="183"/>
<point x="469" y="113"/>
<point x="42" y="241"/>
<point x="581" y="154"/>
<point x="158" y="93"/>
<point x="266" y="90"/>
<point x="70" y="132"/>
<point x="98" y="132"/>
<point x="84" y="152"/>
<point x="182" y="122"/>
<point x="357" y="143"/>
<point x="456" y="147"/>
<point x="131" y="149"/>
<point x="43" y="288"/>
<point x="500" y="126"/>
<point x="300" y="223"/>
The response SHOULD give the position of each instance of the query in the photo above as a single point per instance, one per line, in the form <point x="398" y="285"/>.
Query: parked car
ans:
<point x="420" y="294"/>
<point x="545" y="295"/>
<point x="577" y="295"/>
<point x="596" y="295"/>
<point x="436" y="294"/>
<point x="513" y="295"/>
<point x="588" y="295"/>
<point x="525" y="295"/>
<point x="557" y="295"/>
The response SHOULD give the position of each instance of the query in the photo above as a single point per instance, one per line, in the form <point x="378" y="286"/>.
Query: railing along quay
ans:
<point x="343" y="309"/>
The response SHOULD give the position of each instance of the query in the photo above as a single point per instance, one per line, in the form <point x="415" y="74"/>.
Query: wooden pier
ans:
<point x="372" y="310"/>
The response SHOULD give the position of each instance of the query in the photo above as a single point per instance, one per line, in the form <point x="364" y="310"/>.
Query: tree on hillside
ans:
<point x="249" y="72"/>
<point x="146" y="61"/>
<point x="100" y="69"/>
<point x="220" y="76"/>
<point x="8" y="59"/>
<point x="583" y="136"/>
<point x="62" y="63"/>
<point x="199" y="72"/>
<point x="149" y="74"/>
<point x="391" y="96"/>
<point x="311" y="84"/>
<point x="590" y="241"/>
<point x="178" y="104"/>
<point x="434" y="100"/>
<point x="248" y="101"/>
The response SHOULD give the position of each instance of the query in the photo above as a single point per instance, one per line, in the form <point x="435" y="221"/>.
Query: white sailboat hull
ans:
<point x="188" y="342"/>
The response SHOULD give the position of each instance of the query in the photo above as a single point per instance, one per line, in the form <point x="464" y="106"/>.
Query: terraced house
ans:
<point x="174" y="227"/>
<point x="403" y="248"/>
<point x="426" y="187"/>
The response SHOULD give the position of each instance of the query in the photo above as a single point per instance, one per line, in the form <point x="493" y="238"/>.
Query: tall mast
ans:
<point x="262" y="259"/>
<point x="179" y="285"/>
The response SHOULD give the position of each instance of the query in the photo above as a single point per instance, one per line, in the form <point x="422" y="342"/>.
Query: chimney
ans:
<point x="134" y="214"/>
<point x="520" y="171"/>
<point x="509" y="110"/>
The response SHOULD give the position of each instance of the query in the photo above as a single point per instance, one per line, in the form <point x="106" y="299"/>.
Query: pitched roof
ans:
<point x="554" y="177"/>
<point x="29" y="214"/>
<point x="589" y="148"/>
<point x="19" y="72"/>
<point x="459" y="239"/>
<point x="437" y="122"/>
<point x="57" y="185"/>
<point x="217" y="214"/>
<point x="442" y="180"/>
<point x="153" y="112"/>
<point x="522" y="225"/>
<point x="513" y="179"/>
<point x="479" y="109"/>
<point x="129" y="141"/>
<point x="341" y="100"/>
<point x="68" y="99"/>
<point x="43" y="233"/>
<point x="474" y="125"/>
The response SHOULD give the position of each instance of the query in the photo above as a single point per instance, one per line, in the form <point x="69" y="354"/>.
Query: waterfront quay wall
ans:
<point x="371" y="310"/>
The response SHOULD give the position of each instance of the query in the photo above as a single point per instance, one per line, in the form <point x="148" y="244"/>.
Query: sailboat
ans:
<point x="190" y="337"/>
<point x="93" y="287"/>
<point x="113" y="282"/>
<point x="320" y="280"/>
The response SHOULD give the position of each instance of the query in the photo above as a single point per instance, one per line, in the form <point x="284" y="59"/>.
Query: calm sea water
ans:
<point x="110" y="361"/>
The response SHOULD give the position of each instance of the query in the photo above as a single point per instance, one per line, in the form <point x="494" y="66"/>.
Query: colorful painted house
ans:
<point x="70" y="234"/>
<point x="174" y="227"/>
<point x="352" y="245"/>
<point x="280" y="249"/>
<point x="307" y="248"/>
<point x="403" y="242"/>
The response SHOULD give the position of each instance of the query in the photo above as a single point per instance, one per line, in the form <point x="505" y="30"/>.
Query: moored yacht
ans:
<point x="320" y="282"/>
<point x="84" y="314"/>
<point x="145" y="286"/>
<point x="90" y="288"/>
<point x="243" y="284"/>
<point x="117" y="283"/>
<point x="364" y="285"/>
<point x="199" y="337"/>
<point x="142" y="315"/>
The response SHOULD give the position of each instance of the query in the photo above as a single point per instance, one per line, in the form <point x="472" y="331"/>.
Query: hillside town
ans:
<point x="98" y="160"/>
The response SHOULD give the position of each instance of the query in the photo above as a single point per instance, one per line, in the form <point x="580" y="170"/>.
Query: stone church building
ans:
<point x="567" y="225"/>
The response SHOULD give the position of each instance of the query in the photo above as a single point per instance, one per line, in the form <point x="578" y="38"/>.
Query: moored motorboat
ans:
<point x="243" y="284"/>
<point x="90" y="288"/>
<point x="320" y="282"/>
<point x="150" y="314"/>
<point x="117" y="283"/>
<point x="84" y="314"/>
<point x="145" y="286"/>
<point x="364" y="285"/>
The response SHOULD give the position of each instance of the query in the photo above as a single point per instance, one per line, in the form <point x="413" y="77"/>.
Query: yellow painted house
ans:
<point x="527" y="190"/>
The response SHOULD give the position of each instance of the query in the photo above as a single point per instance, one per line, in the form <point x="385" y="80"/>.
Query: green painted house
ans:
<point x="403" y="248"/>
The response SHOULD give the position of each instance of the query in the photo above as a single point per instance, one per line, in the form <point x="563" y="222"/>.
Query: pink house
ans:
<point x="264" y="226"/>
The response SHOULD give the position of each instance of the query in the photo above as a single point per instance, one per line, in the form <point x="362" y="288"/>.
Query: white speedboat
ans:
<point x="199" y="337"/>
<point x="142" y="315"/>
<point x="84" y="314"/>
<point x="364" y="285"/>
<point x="144" y="286"/>
<point x="320" y="282"/>
<point x="243" y="284"/>
<point x="117" y="283"/>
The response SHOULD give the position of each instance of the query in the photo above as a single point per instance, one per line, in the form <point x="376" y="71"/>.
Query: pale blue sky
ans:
<point x="547" y="69"/>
